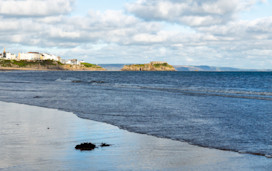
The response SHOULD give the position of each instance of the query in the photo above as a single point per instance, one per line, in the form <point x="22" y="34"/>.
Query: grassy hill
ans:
<point x="46" y="65"/>
<point x="149" y="67"/>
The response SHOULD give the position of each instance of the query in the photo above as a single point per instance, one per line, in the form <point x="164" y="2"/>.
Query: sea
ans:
<point x="221" y="110"/>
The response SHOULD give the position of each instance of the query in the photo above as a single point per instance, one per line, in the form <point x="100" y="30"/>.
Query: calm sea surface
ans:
<point x="223" y="110"/>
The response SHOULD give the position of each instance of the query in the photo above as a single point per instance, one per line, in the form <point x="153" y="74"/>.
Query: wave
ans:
<point x="222" y="93"/>
<point x="202" y="91"/>
<point x="15" y="82"/>
<point x="192" y="91"/>
<point x="67" y="80"/>
<point x="75" y="80"/>
<point x="230" y="149"/>
<point x="19" y="90"/>
<point x="234" y="150"/>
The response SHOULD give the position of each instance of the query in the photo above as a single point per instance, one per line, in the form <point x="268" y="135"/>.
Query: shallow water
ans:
<point x="223" y="110"/>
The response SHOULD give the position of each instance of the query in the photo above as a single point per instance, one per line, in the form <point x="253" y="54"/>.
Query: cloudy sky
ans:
<point x="234" y="33"/>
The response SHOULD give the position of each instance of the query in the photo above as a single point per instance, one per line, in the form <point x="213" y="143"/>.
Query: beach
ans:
<point x="35" y="138"/>
<point x="19" y="69"/>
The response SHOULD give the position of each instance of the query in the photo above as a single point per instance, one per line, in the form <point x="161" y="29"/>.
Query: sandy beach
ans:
<point x="19" y="69"/>
<point x="35" y="138"/>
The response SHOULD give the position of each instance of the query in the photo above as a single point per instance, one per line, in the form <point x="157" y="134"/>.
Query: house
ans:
<point x="30" y="56"/>
<point x="45" y="56"/>
<point x="72" y="62"/>
<point x="11" y="56"/>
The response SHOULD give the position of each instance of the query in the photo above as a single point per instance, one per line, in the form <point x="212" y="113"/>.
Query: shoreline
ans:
<point x="33" y="69"/>
<point x="19" y="69"/>
<point x="24" y="134"/>
<point x="37" y="69"/>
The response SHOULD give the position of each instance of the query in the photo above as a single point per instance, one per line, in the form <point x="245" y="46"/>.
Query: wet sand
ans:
<point x="35" y="138"/>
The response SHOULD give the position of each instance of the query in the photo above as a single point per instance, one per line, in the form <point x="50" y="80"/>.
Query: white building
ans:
<point x="30" y="56"/>
<point x="72" y="62"/>
<point x="46" y="56"/>
<point x="10" y="56"/>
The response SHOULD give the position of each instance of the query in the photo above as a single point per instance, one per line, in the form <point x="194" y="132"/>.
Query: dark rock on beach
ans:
<point x="104" y="145"/>
<point x="90" y="146"/>
<point x="85" y="147"/>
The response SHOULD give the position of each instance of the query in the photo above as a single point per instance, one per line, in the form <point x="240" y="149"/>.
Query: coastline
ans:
<point x="46" y="65"/>
<point x="45" y="139"/>
<point x="42" y="69"/>
<point x="23" y="69"/>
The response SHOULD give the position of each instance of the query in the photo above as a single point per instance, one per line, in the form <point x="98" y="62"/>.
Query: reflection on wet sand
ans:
<point x="34" y="138"/>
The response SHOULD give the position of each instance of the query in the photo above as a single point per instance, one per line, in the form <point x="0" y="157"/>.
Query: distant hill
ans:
<point x="204" y="68"/>
<point x="118" y="67"/>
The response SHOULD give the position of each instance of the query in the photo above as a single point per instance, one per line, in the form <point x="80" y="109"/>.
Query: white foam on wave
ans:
<point x="67" y="80"/>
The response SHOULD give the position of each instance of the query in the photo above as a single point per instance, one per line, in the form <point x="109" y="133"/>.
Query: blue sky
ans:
<point x="258" y="11"/>
<point x="230" y="33"/>
<point x="83" y="6"/>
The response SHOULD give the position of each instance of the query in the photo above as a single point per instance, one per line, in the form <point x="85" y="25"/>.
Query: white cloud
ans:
<point x="35" y="7"/>
<point x="189" y="12"/>
<point x="258" y="29"/>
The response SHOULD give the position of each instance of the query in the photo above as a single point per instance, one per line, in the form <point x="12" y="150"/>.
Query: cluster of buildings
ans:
<point x="36" y="56"/>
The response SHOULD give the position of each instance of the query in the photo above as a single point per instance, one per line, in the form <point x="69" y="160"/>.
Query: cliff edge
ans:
<point x="152" y="66"/>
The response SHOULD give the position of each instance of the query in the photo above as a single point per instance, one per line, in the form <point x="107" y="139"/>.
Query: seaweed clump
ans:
<point x="85" y="147"/>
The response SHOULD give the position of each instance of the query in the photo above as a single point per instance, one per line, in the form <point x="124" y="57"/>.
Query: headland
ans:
<point x="43" y="61"/>
<point x="46" y="65"/>
<point x="152" y="66"/>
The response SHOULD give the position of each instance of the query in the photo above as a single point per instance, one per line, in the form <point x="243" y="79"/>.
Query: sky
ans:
<point x="224" y="33"/>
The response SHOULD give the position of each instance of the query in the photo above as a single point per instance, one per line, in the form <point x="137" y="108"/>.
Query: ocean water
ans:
<point x="222" y="110"/>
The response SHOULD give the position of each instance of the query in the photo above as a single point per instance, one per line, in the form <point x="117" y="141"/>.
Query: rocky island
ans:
<point x="152" y="66"/>
<point x="46" y="65"/>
